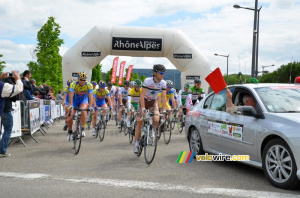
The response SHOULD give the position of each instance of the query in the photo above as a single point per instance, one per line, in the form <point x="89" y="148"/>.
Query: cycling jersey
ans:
<point x="195" y="92"/>
<point x="135" y="95"/>
<point x="169" y="95"/>
<point x="100" y="96"/>
<point x="153" y="88"/>
<point x="183" y="96"/>
<point x="111" y="91"/>
<point x="81" y="92"/>
<point x="124" y="93"/>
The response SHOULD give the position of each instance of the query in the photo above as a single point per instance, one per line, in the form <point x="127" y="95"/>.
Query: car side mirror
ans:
<point x="249" y="111"/>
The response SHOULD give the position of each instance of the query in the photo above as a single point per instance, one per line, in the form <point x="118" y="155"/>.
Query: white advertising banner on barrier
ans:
<point x="34" y="115"/>
<point x="57" y="111"/>
<point x="62" y="110"/>
<point x="42" y="112"/>
<point x="53" y="109"/>
<point x="16" y="130"/>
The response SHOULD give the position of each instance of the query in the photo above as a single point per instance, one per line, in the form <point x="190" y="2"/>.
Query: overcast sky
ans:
<point x="213" y="25"/>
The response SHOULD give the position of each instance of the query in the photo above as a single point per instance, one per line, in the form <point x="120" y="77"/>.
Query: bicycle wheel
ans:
<point x="160" y="130"/>
<point x="120" y="128"/>
<point x="130" y="136"/>
<point x="77" y="142"/>
<point x="102" y="129"/>
<point x="150" y="144"/>
<point x="167" y="131"/>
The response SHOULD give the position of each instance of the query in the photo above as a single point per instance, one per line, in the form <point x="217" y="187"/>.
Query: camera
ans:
<point x="10" y="75"/>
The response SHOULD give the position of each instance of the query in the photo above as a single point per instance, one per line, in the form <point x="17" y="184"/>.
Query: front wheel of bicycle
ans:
<point x="77" y="136"/>
<point x="102" y="130"/>
<point x="168" y="131"/>
<point x="150" y="144"/>
<point x="180" y="126"/>
<point x="130" y="135"/>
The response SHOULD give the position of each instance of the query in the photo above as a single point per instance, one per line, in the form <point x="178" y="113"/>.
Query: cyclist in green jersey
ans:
<point x="197" y="91"/>
<point x="184" y="98"/>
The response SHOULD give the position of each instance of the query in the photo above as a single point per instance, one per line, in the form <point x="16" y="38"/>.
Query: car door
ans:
<point x="214" y="118"/>
<point x="242" y="130"/>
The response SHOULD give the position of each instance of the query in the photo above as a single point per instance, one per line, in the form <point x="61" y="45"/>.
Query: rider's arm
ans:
<point x="64" y="98"/>
<point x="158" y="100"/>
<point x="91" y="100"/>
<point x="173" y="102"/>
<point x="109" y="101"/>
<point x="163" y="99"/>
<point x="71" y="95"/>
<point x="129" y="102"/>
<point x="142" y="97"/>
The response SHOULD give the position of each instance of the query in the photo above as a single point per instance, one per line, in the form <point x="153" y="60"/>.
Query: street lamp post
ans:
<point x="227" y="64"/>
<point x="264" y="66"/>
<point x="254" y="67"/>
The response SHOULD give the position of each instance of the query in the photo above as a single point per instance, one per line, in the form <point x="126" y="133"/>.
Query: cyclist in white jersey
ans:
<point x="151" y="88"/>
<point x="123" y="99"/>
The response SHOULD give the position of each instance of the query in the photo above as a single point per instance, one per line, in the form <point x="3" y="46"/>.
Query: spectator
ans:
<point x="27" y="85"/>
<point x="42" y="92"/>
<point x="59" y="96"/>
<point x="33" y="85"/>
<point x="9" y="88"/>
<point x="36" y="95"/>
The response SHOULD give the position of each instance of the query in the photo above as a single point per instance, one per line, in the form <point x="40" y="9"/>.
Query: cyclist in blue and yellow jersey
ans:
<point x="123" y="100"/>
<point x="65" y="102"/>
<point x="100" y="95"/>
<point x="80" y="96"/>
<point x="169" y="96"/>
<point x="134" y="97"/>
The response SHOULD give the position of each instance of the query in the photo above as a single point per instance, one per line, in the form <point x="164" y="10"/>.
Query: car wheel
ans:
<point x="195" y="142"/>
<point x="279" y="164"/>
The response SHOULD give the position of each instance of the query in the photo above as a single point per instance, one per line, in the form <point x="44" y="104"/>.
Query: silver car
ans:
<point x="269" y="132"/>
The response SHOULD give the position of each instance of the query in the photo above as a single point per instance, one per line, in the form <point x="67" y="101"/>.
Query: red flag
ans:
<point x="114" y="70"/>
<point x="216" y="80"/>
<point x="121" y="72"/>
<point x="129" y="72"/>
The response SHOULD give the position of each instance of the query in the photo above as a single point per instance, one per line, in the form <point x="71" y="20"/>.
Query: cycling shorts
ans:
<point x="77" y="103"/>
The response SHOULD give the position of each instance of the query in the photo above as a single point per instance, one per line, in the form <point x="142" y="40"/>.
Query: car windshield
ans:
<point x="281" y="99"/>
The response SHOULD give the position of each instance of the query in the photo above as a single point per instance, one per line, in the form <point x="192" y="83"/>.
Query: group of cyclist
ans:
<point x="154" y="94"/>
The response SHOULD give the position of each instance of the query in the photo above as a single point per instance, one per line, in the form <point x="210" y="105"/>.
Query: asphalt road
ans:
<point x="111" y="169"/>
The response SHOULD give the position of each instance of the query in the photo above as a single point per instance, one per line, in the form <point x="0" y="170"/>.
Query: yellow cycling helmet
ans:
<point x="82" y="75"/>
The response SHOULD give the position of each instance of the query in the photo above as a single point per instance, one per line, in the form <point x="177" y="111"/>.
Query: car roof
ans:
<point x="252" y="85"/>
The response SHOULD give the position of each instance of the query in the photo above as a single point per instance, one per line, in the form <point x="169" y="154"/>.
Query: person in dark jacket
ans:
<point x="27" y="85"/>
<point x="9" y="88"/>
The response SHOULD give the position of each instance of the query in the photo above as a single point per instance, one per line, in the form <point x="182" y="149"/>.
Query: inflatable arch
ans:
<point x="136" y="42"/>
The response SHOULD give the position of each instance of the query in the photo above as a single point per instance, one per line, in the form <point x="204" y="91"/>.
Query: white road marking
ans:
<point x="170" y="187"/>
<point x="23" y="175"/>
<point x="153" y="186"/>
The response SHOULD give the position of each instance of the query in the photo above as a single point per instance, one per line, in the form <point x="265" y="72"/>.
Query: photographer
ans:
<point x="10" y="86"/>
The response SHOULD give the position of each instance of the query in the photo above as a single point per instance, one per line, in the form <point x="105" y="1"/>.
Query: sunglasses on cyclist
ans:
<point x="169" y="87"/>
<point x="161" y="73"/>
<point x="81" y="79"/>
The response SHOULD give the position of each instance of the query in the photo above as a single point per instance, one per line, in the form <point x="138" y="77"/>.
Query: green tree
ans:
<point x="134" y="76"/>
<point x="48" y="67"/>
<point x="108" y="76"/>
<point x="142" y="77"/>
<point x="97" y="73"/>
<point x="2" y="64"/>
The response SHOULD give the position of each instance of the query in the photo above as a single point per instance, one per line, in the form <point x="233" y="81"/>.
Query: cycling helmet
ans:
<point x="69" y="82"/>
<point x="127" y="83"/>
<point x="102" y="84"/>
<point x="82" y="75"/>
<point x="109" y="84"/>
<point x="253" y="80"/>
<point x="132" y="83"/>
<point x="197" y="80"/>
<point x="187" y="85"/>
<point x="169" y="83"/>
<point x="138" y="83"/>
<point x="297" y="80"/>
<point x="159" y="67"/>
<point x="94" y="83"/>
